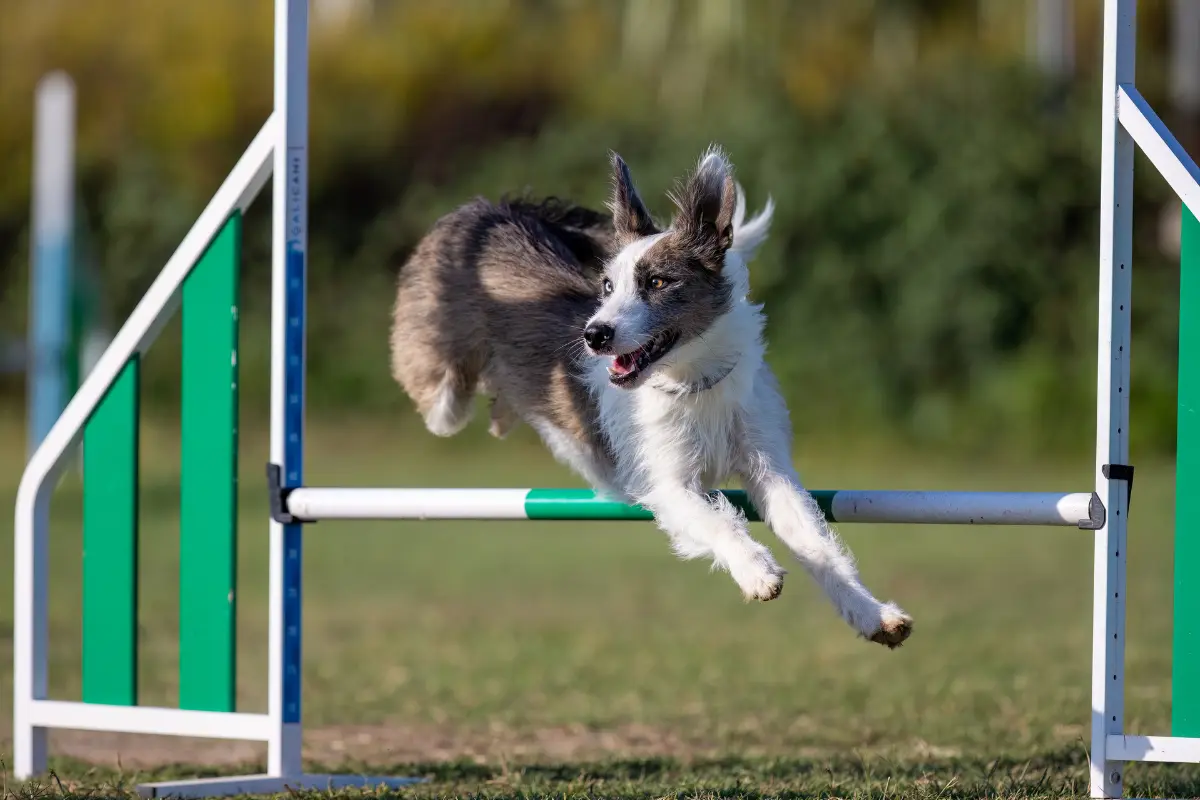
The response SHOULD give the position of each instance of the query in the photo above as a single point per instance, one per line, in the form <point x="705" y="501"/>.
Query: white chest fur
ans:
<point x="685" y="439"/>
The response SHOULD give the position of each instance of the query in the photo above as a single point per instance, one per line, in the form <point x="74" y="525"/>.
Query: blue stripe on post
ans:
<point x="293" y="475"/>
<point x="49" y="336"/>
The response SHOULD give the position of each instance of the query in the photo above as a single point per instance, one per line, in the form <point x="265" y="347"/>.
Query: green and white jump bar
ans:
<point x="1082" y="509"/>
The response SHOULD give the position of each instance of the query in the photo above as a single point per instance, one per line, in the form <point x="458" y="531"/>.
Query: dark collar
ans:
<point x="709" y="381"/>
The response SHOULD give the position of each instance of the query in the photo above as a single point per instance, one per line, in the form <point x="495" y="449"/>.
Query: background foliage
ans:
<point x="932" y="269"/>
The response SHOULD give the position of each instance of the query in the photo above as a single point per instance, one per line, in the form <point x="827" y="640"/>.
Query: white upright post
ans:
<point x="1112" y="400"/>
<point x="30" y="634"/>
<point x="50" y="279"/>
<point x="289" y="246"/>
<point x="50" y="293"/>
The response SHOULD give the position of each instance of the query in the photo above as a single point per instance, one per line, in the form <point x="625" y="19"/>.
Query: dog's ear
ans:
<point x="707" y="202"/>
<point x="631" y="219"/>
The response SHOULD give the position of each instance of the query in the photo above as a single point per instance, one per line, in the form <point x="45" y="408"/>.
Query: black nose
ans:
<point x="598" y="335"/>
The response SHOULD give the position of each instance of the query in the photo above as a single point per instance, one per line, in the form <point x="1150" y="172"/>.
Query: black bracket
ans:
<point x="1096" y="515"/>
<point x="277" y="495"/>
<point x="1096" y="511"/>
<point x="1121" y="472"/>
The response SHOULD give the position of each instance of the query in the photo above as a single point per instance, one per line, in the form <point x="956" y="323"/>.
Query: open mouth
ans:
<point x="626" y="367"/>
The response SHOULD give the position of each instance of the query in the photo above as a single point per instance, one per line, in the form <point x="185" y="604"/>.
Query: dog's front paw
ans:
<point x="894" y="627"/>
<point x="758" y="575"/>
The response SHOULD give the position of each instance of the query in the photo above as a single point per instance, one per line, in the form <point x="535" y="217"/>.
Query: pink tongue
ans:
<point x="623" y="364"/>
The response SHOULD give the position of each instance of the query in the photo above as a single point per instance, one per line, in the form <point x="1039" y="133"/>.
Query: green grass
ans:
<point x="584" y="660"/>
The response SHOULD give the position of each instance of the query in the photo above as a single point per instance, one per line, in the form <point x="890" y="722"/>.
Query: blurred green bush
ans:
<point x="932" y="268"/>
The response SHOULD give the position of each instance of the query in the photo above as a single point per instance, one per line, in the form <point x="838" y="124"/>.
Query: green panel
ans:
<point x="110" y="544"/>
<point x="1185" y="680"/>
<point x="581" y="504"/>
<point x="208" y="473"/>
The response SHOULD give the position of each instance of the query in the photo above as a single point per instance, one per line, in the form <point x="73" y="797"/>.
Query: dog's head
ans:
<point x="665" y="288"/>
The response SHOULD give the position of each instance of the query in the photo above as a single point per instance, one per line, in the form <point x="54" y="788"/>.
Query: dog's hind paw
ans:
<point x="894" y="627"/>
<point x="500" y="427"/>
<point x="503" y="420"/>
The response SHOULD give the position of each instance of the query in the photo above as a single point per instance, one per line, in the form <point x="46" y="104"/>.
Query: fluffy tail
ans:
<point x="748" y="235"/>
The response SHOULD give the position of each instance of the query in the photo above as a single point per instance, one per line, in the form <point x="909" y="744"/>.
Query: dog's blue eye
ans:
<point x="607" y="286"/>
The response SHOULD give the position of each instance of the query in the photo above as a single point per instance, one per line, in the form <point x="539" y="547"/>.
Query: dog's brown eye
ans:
<point x="657" y="282"/>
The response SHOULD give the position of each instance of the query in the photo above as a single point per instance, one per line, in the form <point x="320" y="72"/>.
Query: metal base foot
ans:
<point x="263" y="784"/>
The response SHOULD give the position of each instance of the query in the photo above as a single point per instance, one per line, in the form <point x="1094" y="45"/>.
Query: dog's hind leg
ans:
<point x="450" y="407"/>
<point x="503" y="418"/>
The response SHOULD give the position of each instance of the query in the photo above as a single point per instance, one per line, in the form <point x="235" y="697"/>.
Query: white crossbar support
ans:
<point x="1112" y="399"/>
<point x="31" y="530"/>
<point x="1159" y="144"/>
<point x="142" y="719"/>
<point x="266" y="784"/>
<point x="1173" y="749"/>
<point x="930" y="508"/>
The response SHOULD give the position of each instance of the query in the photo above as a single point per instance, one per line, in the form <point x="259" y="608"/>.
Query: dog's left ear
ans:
<point x="707" y="202"/>
<point x="631" y="219"/>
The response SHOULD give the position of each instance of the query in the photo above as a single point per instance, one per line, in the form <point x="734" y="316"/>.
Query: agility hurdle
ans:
<point x="202" y="277"/>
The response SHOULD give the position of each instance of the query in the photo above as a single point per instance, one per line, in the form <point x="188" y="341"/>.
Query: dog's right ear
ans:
<point x="631" y="219"/>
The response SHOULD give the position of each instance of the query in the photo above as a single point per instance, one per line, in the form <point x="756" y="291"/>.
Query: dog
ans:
<point x="634" y="352"/>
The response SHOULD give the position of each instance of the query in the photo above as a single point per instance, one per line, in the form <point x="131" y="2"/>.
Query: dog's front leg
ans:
<point x="700" y="525"/>
<point x="794" y="516"/>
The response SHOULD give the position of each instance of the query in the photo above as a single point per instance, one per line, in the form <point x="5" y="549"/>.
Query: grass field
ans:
<point x="531" y="660"/>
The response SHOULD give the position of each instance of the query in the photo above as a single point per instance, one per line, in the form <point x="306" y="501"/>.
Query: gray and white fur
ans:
<point x="635" y="353"/>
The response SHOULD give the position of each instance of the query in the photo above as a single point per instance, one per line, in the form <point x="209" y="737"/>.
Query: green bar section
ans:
<point x="110" y="544"/>
<point x="582" y="504"/>
<point x="1185" y="670"/>
<point x="208" y="474"/>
